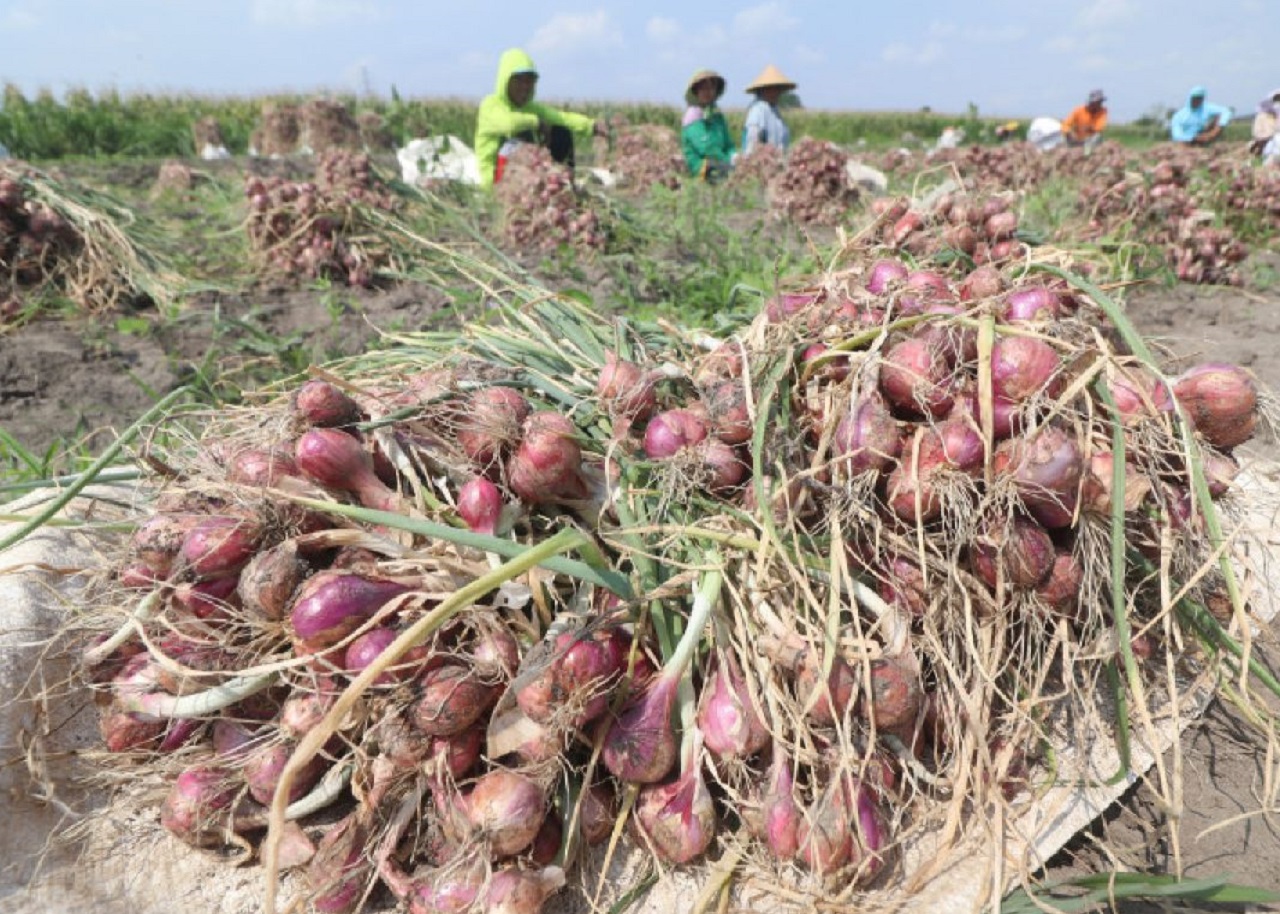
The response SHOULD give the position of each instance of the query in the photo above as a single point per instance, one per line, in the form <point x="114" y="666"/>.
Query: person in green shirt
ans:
<point x="704" y="133"/>
<point x="510" y="116"/>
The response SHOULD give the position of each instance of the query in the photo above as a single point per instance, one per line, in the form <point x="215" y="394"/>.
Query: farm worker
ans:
<point x="510" y="116"/>
<point x="704" y="133"/>
<point x="1265" y="122"/>
<point x="1006" y="131"/>
<point x="1198" y="122"/>
<point x="765" y="126"/>
<point x="1084" y="125"/>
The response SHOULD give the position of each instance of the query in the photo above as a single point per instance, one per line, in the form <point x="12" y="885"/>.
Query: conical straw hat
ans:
<point x="770" y="76"/>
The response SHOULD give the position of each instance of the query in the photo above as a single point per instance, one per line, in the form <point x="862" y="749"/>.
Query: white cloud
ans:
<point x="1008" y="34"/>
<point x="1103" y="13"/>
<point x="565" y="32"/>
<point x="765" y="19"/>
<point x="663" y="30"/>
<point x="1095" y="63"/>
<point x="899" y="52"/>
<point x="1062" y="44"/>
<point x="311" y="13"/>
<point x="19" y="17"/>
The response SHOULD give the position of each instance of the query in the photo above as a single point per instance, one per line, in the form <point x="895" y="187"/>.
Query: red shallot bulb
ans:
<point x="480" y="505"/>
<point x="1031" y="304"/>
<point x="730" y="724"/>
<point x="218" y="546"/>
<point x="671" y="431"/>
<point x="325" y="405"/>
<point x="545" y="467"/>
<point x="1022" y="366"/>
<point x="868" y="438"/>
<point x="915" y="377"/>
<point x="337" y="461"/>
<point x="506" y="808"/>
<point x="451" y="698"/>
<point x="1022" y="549"/>
<point x="640" y="747"/>
<point x="331" y="605"/>
<point x="884" y="272"/>
<point x="780" y="813"/>
<point x="197" y="807"/>
<point x="490" y="425"/>
<point x="678" y="819"/>
<point x="1220" y="401"/>
<point x="626" y="389"/>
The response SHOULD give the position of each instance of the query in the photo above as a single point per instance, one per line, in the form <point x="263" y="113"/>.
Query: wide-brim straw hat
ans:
<point x="770" y="76"/>
<point x="699" y="77"/>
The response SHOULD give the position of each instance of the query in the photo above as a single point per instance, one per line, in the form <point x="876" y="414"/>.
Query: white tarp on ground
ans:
<point x="439" y="158"/>
<point x="1045" y="133"/>
<point x="129" y="865"/>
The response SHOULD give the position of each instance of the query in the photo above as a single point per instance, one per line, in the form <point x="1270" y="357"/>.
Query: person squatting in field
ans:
<point x="1198" y="122"/>
<point x="764" y="125"/>
<point x="704" y="133"/>
<point x="1266" y="123"/>
<point x="510" y="116"/>
<point x="1084" y="125"/>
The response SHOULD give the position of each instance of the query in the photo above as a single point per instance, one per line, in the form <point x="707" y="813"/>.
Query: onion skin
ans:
<point x="894" y="701"/>
<point x="780" y="813"/>
<point x="574" y="685"/>
<point x="1045" y="470"/>
<point x="597" y="814"/>
<point x="824" y="837"/>
<point x="627" y="391"/>
<point x="1026" y="554"/>
<point x="834" y="696"/>
<point x="519" y="891"/>
<point x="884" y="272"/>
<point x="1221" y="402"/>
<point x="480" y="505"/>
<point x="730" y="418"/>
<point x="1031" y="304"/>
<point x="158" y="541"/>
<point x="1060" y="591"/>
<point x="340" y="868"/>
<point x="261" y="467"/>
<point x="868" y="438"/>
<point x="914" y="378"/>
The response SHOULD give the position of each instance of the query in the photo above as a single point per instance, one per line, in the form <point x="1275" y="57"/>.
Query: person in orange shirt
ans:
<point x="1084" y="125"/>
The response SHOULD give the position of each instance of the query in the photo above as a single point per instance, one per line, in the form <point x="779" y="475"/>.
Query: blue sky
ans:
<point x="1019" y="58"/>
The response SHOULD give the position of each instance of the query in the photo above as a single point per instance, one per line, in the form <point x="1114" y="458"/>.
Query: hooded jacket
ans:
<point x="498" y="120"/>
<point x="1187" y="122"/>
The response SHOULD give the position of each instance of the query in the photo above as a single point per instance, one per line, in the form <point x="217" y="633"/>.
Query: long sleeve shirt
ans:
<point x="764" y="126"/>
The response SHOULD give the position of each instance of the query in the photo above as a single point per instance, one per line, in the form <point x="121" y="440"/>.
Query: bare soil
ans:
<point x="62" y="380"/>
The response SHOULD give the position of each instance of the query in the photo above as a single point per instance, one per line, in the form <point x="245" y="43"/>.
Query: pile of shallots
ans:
<point x="826" y="567"/>
<point x="36" y="241"/>
<point x="541" y="208"/>
<point x="813" y="187"/>
<point x="309" y="229"/>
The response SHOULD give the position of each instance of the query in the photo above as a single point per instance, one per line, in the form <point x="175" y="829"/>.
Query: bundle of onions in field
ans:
<point x="541" y="208"/>
<point x="760" y="166"/>
<point x="646" y="155"/>
<point x="310" y="229"/>
<point x="814" y="187"/>
<point x="781" y="592"/>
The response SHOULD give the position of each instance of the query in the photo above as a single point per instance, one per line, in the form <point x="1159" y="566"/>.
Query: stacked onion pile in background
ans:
<point x="541" y="208"/>
<point x="72" y="243"/>
<point x="840" y="579"/>
<point x="813" y="187"/>
<point x="645" y="156"/>
<point x="982" y="227"/>
<point x="322" y="228"/>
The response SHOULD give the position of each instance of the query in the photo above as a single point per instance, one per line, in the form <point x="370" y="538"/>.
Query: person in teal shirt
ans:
<point x="704" y="133"/>
<point x="1198" y="122"/>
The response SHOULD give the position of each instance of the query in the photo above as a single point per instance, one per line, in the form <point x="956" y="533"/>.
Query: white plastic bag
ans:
<point x="212" y="153"/>
<point x="444" y="158"/>
<point x="1045" y="133"/>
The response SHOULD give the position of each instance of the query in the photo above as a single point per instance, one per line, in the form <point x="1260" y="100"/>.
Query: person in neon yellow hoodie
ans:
<point x="510" y="115"/>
